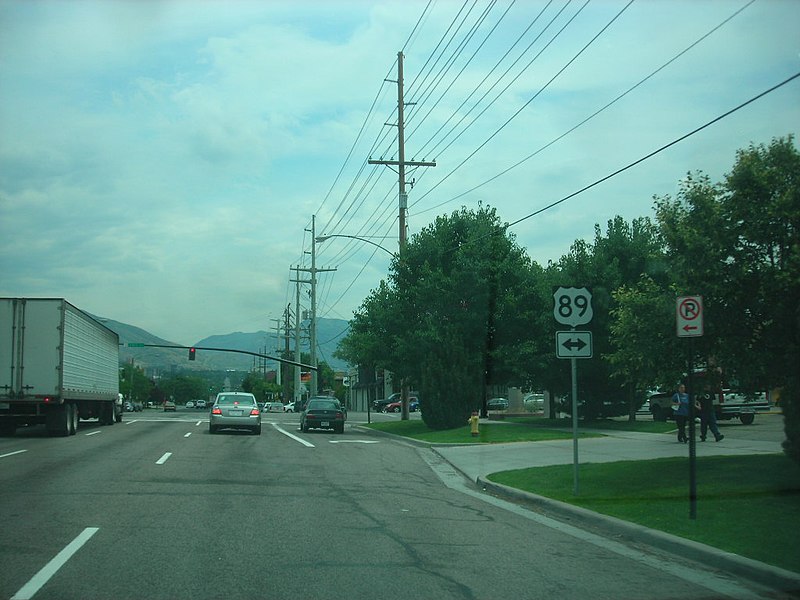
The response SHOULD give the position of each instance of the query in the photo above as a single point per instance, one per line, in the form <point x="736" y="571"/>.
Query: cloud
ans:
<point x="160" y="162"/>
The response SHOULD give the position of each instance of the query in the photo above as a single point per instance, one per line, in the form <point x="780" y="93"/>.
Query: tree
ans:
<point x="183" y="388"/>
<point x="615" y="259"/>
<point x="254" y="383"/>
<point x="133" y="383"/>
<point x="449" y="320"/>
<point x="737" y="244"/>
<point x="646" y="351"/>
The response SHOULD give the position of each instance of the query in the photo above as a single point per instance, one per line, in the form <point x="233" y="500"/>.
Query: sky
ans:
<point x="163" y="163"/>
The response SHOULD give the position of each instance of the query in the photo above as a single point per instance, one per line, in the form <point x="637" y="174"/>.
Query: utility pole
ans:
<point x="278" y="349"/>
<point x="297" y="336"/>
<point x="401" y="165"/>
<point x="286" y="316"/>
<point x="313" y="281"/>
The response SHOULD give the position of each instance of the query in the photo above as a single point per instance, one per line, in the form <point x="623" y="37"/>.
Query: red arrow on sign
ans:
<point x="689" y="327"/>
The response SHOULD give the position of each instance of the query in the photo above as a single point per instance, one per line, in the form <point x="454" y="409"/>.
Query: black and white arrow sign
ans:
<point x="573" y="344"/>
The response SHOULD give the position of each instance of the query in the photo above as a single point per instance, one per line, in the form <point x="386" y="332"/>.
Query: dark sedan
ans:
<point x="323" y="413"/>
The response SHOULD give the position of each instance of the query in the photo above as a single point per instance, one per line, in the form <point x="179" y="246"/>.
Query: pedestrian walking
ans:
<point x="680" y="406"/>
<point x="708" y="417"/>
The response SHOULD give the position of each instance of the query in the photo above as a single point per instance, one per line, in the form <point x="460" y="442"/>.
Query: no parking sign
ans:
<point x="689" y="316"/>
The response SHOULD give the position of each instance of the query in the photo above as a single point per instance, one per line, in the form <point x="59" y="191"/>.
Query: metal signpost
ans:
<point x="573" y="307"/>
<point x="689" y="323"/>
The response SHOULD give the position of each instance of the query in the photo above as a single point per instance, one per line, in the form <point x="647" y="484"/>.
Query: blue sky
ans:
<point x="160" y="161"/>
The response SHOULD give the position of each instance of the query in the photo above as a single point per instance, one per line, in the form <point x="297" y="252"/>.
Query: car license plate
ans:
<point x="236" y="413"/>
<point x="325" y="424"/>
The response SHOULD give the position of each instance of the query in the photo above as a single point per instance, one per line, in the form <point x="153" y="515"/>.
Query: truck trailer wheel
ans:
<point x="57" y="420"/>
<point x="747" y="418"/>
<point x="72" y="418"/>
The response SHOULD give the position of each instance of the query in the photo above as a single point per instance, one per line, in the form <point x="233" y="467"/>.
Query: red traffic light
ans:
<point x="192" y="352"/>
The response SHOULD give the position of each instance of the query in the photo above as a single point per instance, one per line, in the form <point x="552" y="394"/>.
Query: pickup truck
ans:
<point x="727" y="405"/>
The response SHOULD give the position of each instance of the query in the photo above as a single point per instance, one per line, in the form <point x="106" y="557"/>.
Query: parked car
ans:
<point x="189" y="404"/>
<point x="288" y="407"/>
<point x="497" y="404"/>
<point x="396" y="407"/>
<point x="380" y="405"/>
<point x="273" y="406"/>
<point x="200" y="404"/>
<point x="235" y="410"/>
<point x="323" y="412"/>
<point x="169" y="405"/>
<point x="128" y="407"/>
<point x="533" y="402"/>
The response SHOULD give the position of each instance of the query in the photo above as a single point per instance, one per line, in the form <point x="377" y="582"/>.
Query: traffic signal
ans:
<point x="191" y="353"/>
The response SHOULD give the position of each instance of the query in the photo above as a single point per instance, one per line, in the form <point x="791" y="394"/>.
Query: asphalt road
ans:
<point x="155" y="507"/>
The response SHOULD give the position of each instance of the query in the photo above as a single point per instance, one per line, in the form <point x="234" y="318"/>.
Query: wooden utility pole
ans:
<point x="401" y="165"/>
<point x="313" y="281"/>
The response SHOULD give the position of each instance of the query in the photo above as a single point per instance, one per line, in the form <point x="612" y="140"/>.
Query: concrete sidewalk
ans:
<point x="481" y="460"/>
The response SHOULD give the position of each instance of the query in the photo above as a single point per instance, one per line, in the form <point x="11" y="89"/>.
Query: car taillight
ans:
<point x="338" y="415"/>
<point x="216" y="411"/>
<point x="254" y="412"/>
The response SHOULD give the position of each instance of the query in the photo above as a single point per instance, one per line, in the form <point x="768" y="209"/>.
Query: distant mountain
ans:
<point x="329" y="333"/>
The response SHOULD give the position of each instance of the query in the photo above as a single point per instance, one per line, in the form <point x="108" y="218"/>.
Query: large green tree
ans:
<point x="737" y="243"/>
<point x="456" y="316"/>
<point x="617" y="257"/>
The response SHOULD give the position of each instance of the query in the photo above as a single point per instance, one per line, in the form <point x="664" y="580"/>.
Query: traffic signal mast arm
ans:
<point x="283" y="360"/>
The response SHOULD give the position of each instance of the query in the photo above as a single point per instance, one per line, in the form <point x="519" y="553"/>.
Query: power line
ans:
<point x="657" y="151"/>
<point x="544" y="87"/>
<point x="597" y="112"/>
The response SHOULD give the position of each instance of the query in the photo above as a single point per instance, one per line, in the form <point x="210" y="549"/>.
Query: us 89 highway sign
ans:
<point x="573" y="306"/>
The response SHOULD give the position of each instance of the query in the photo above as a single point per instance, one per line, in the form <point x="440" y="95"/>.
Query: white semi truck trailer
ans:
<point x="57" y="365"/>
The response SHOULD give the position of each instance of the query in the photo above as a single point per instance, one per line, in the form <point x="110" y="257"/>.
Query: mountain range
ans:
<point x="329" y="333"/>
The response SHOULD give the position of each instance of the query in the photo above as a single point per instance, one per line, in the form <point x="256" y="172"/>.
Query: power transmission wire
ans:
<point x="465" y="115"/>
<point x="645" y="157"/>
<point x="594" y="114"/>
<point x="536" y="95"/>
<point x="458" y="75"/>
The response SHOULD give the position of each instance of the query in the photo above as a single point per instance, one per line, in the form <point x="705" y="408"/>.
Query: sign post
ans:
<point x="573" y="307"/>
<point x="689" y="324"/>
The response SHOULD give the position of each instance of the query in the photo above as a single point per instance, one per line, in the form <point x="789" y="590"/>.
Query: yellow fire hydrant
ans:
<point x="473" y="424"/>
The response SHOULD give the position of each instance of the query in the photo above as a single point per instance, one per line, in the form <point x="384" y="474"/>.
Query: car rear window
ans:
<point x="324" y="404"/>
<point x="231" y="399"/>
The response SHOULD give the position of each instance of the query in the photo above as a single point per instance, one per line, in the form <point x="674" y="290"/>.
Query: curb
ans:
<point x="756" y="571"/>
<point x="767" y="575"/>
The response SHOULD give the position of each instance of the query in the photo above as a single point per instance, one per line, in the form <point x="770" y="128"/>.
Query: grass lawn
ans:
<point x="490" y="433"/>
<point x="749" y="505"/>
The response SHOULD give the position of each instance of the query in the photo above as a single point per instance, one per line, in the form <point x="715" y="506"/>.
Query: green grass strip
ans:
<point x="490" y="433"/>
<point x="748" y="505"/>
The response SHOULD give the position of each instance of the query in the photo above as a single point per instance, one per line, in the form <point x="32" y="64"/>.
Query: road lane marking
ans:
<point x="294" y="437"/>
<point x="188" y="434"/>
<point x="12" y="453"/>
<point x="164" y="458"/>
<point x="92" y="433"/>
<point x="129" y="422"/>
<point x="353" y="441"/>
<point x="198" y="423"/>
<point x="37" y="581"/>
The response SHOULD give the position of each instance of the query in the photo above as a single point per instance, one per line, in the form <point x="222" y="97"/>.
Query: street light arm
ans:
<point x="321" y="238"/>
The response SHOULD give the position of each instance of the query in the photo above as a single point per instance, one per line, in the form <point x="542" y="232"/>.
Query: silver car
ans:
<point x="235" y="410"/>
